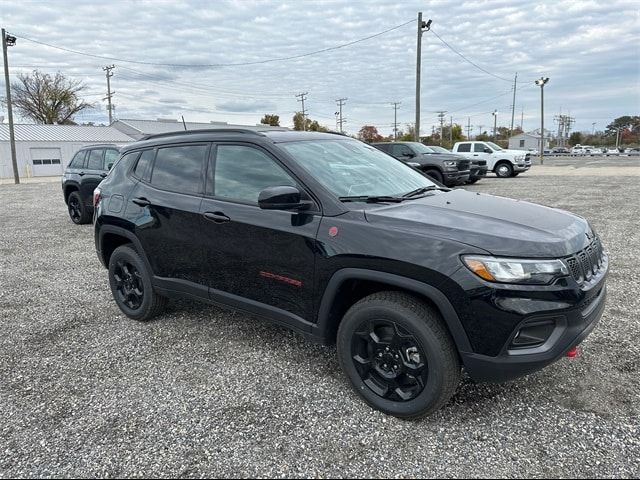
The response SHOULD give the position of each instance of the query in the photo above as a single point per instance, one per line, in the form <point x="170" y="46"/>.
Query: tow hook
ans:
<point x="572" y="353"/>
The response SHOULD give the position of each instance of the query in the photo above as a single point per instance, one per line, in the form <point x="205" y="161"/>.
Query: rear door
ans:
<point x="165" y="207"/>
<point x="267" y="256"/>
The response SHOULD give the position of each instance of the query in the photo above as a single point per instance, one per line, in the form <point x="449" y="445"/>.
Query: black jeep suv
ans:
<point x="446" y="168"/>
<point x="88" y="167"/>
<point x="338" y="241"/>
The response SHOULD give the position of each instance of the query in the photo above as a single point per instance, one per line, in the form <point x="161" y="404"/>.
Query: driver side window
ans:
<point x="242" y="172"/>
<point x="479" y="147"/>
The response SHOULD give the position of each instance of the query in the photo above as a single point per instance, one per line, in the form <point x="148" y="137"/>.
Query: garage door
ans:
<point x="45" y="161"/>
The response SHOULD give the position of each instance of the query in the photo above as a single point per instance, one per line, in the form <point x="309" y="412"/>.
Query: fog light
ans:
<point x="533" y="333"/>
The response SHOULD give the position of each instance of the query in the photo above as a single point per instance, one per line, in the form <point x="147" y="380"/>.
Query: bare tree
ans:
<point x="48" y="99"/>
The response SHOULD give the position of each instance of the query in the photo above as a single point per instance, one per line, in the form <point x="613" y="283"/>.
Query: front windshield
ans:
<point x="349" y="168"/>
<point x="438" y="149"/>
<point x="494" y="146"/>
<point x="422" y="148"/>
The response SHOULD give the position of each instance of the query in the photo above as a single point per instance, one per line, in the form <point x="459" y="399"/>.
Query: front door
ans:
<point x="266" y="256"/>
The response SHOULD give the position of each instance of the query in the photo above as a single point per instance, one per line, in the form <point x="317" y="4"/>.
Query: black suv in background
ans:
<point x="88" y="167"/>
<point x="478" y="168"/>
<point x="342" y="243"/>
<point x="448" y="169"/>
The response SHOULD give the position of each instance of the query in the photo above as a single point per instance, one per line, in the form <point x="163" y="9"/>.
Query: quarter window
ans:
<point x="179" y="169"/>
<point x="110" y="157"/>
<point x="464" y="147"/>
<point x="142" y="167"/>
<point x="241" y="173"/>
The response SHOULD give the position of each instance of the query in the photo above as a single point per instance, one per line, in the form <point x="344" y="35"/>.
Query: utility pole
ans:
<point x="480" y="129"/>
<point x="522" y="120"/>
<point x="109" y="74"/>
<point x="10" y="41"/>
<point x="441" y="117"/>
<point x="395" y="120"/>
<point x="301" y="97"/>
<point x="451" y="131"/>
<point x="495" y="123"/>
<point x="468" y="128"/>
<point x="513" y="105"/>
<point x="422" y="27"/>
<point x="593" y="128"/>
<point x="342" y="121"/>
<point x="541" y="83"/>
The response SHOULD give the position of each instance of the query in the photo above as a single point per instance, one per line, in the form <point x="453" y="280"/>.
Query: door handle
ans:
<point x="104" y="175"/>
<point x="141" y="201"/>
<point x="82" y="174"/>
<point x="475" y="154"/>
<point x="216" y="217"/>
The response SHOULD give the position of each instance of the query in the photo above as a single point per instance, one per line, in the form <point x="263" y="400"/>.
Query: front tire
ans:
<point x="398" y="355"/>
<point x="131" y="285"/>
<point x="504" y="170"/>
<point x="436" y="175"/>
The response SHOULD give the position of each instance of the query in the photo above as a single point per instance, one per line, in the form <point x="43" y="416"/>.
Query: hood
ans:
<point x="501" y="226"/>
<point x="440" y="157"/>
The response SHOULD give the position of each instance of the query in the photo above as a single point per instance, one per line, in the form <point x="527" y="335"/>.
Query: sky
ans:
<point x="178" y="58"/>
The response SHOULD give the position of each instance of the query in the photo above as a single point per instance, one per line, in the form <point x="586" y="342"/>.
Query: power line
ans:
<point x="216" y="65"/>
<point x="466" y="59"/>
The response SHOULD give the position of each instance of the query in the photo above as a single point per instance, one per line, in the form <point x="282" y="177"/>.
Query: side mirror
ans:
<point x="282" y="198"/>
<point x="411" y="154"/>
<point x="487" y="150"/>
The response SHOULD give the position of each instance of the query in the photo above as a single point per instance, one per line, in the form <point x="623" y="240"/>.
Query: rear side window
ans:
<point x="110" y="157"/>
<point x="142" y="167"/>
<point x="479" y="147"/>
<point x="95" y="159"/>
<point x="78" y="159"/>
<point x="242" y="172"/>
<point x="464" y="147"/>
<point x="180" y="169"/>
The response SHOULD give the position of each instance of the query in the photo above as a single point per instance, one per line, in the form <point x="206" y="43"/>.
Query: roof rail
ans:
<point x="203" y="130"/>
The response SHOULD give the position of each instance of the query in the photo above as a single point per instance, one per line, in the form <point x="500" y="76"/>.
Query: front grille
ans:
<point x="463" y="164"/>
<point x="588" y="262"/>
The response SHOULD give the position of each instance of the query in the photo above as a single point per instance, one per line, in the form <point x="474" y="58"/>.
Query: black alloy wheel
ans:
<point x="77" y="211"/>
<point x="129" y="285"/>
<point x="389" y="360"/>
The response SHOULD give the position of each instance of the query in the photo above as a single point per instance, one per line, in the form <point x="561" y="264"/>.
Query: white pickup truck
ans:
<point x="505" y="163"/>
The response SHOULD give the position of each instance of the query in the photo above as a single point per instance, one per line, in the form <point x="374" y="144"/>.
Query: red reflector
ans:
<point x="96" y="197"/>
<point x="573" y="353"/>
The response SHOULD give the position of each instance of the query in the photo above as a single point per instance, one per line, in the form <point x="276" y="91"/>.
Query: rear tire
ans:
<point x="77" y="209"/>
<point x="504" y="170"/>
<point x="131" y="285"/>
<point x="398" y="354"/>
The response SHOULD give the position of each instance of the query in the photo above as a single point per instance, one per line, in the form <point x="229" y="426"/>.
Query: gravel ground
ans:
<point x="86" y="392"/>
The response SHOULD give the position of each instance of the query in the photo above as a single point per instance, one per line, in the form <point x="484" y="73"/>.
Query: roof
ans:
<point x="152" y="127"/>
<point x="63" y="133"/>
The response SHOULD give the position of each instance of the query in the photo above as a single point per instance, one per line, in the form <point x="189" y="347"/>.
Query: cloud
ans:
<point x="589" y="49"/>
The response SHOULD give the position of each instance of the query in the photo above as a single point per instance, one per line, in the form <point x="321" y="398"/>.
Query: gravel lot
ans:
<point x="86" y="392"/>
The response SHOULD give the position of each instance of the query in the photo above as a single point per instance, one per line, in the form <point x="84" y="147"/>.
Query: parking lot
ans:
<point x="202" y="391"/>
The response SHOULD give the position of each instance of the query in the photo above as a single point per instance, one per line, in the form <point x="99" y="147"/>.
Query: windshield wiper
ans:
<point x="421" y="190"/>
<point x="372" y="199"/>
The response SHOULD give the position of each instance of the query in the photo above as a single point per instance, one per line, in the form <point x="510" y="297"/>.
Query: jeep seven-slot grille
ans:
<point x="464" y="164"/>
<point x="587" y="263"/>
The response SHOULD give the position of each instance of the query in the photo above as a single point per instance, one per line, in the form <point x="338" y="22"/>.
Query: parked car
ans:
<point x="340" y="242"/>
<point x="478" y="168"/>
<point x="611" y="151"/>
<point x="577" y="150"/>
<point x="560" y="150"/>
<point x="88" y="167"/>
<point x="632" y="151"/>
<point x="446" y="168"/>
<point x="505" y="163"/>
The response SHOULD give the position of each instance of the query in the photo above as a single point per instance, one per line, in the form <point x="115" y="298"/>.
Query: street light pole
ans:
<point x="422" y="27"/>
<point x="541" y="83"/>
<point x="10" y="41"/>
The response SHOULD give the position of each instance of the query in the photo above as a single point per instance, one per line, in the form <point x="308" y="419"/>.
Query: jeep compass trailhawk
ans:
<point x="336" y="240"/>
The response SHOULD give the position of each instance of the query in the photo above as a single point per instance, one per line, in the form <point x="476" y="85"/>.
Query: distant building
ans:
<point x="527" y="141"/>
<point x="139" y="128"/>
<point x="44" y="150"/>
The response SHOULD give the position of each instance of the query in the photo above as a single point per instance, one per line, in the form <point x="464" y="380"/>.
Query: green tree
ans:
<point x="629" y="128"/>
<point x="47" y="99"/>
<point x="300" y="122"/>
<point x="369" y="134"/>
<point x="575" y="138"/>
<point x="271" y="119"/>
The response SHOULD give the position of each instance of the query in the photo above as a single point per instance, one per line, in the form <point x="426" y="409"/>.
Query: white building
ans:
<point x="139" y="128"/>
<point x="43" y="150"/>
<point x="527" y="141"/>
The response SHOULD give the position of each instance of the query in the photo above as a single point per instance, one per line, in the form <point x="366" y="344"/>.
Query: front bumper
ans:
<point x="571" y="329"/>
<point x="522" y="167"/>
<point x="456" y="178"/>
<point x="478" y="172"/>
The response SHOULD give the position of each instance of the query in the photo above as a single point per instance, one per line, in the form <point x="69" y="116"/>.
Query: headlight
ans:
<point x="510" y="270"/>
<point x="451" y="165"/>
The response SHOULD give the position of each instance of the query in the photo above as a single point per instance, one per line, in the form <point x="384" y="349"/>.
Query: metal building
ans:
<point x="527" y="141"/>
<point x="44" y="150"/>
